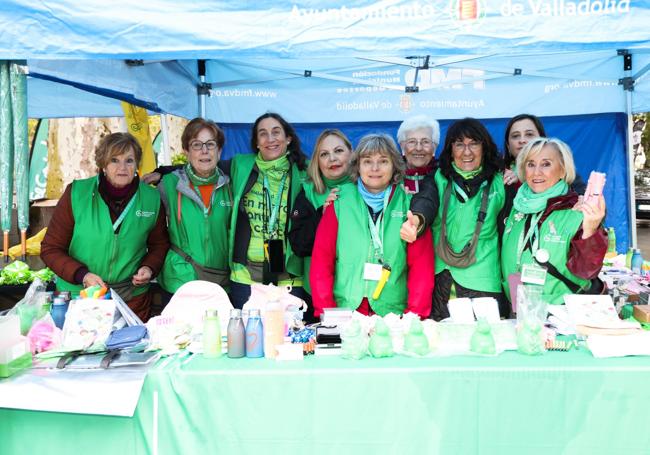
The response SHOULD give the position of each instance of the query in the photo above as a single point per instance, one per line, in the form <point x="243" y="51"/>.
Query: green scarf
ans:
<point x="466" y="175"/>
<point x="199" y="181"/>
<point x="526" y="201"/>
<point x="274" y="168"/>
<point x="333" y="183"/>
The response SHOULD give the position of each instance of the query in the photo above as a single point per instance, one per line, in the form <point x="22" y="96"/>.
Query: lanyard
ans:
<point x="377" y="231"/>
<point x="119" y="220"/>
<point x="531" y="235"/>
<point x="461" y="192"/>
<point x="275" y="207"/>
<point x="206" y="210"/>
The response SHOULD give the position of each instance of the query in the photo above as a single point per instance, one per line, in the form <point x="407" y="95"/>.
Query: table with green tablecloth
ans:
<point x="561" y="402"/>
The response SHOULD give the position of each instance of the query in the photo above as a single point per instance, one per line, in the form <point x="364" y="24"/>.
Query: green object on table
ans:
<point x="482" y="340"/>
<point x="380" y="344"/>
<point x="627" y="311"/>
<point x="16" y="365"/>
<point x="415" y="341"/>
<point x="354" y="343"/>
<point x="529" y="339"/>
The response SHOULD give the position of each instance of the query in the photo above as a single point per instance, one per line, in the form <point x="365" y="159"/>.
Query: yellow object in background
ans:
<point x="137" y="122"/>
<point x="33" y="246"/>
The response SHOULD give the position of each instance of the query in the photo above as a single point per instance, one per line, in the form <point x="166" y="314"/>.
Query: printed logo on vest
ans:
<point x="553" y="238"/>
<point x="223" y="203"/>
<point x="397" y="214"/>
<point x="144" y="213"/>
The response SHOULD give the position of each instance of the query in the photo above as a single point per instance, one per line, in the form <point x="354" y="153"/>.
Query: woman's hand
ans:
<point x="509" y="177"/>
<point x="90" y="279"/>
<point x="151" y="178"/>
<point x="409" y="230"/>
<point x="143" y="276"/>
<point x="333" y="196"/>
<point x="594" y="213"/>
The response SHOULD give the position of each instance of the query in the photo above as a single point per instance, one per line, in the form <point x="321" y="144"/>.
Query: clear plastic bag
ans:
<point x="531" y="314"/>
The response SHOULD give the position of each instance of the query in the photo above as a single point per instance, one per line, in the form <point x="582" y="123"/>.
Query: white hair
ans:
<point x="417" y="122"/>
<point x="535" y="146"/>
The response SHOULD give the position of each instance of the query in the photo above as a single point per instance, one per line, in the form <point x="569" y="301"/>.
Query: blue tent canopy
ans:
<point x="362" y="65"/>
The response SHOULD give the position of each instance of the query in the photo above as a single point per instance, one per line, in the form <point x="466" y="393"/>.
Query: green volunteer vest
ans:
<point x="203" y="237"/>
<point x="555" y="236"/>
<point x="241" y="168"/>
<point x="317" y="200"/>
<point x="114" y="257"/>
<point x="484" y="275"/>
<point x="354" y="248"/>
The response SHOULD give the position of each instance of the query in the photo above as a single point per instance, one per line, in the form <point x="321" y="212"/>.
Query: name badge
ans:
<point x="533" y="274"/>
<point x="371" y="271"/>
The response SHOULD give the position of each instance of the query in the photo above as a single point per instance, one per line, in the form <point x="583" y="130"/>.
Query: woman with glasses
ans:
<point x="418" y="138"/>
<point x="462" y="203"/>
<point x="359" y="262"/>
<point x="198" y="202"/>
<point x="328" y="170"/>
<point x="265" y="186"/>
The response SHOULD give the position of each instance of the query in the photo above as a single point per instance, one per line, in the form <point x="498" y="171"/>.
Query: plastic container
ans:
<point x="211" y="335"/>
<point x="628" y="258"/>
<point x="636" y="262"/>
<point x="14" y="357"/>
<point x="254" y="335"/>
<point x="58" y="312"/>
<point x="236" y="335"/>
<point x="273" y="329"/>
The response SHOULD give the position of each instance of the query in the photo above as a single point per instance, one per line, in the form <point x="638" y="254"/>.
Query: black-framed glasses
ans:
<point x="461" y="146"/>
<point x="198" y="145"/>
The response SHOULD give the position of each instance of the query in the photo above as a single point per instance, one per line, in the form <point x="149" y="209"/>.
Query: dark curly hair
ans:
<point x="470" y="128"/>
<point x="296" y="154"/>
<point x="508" y="159"/>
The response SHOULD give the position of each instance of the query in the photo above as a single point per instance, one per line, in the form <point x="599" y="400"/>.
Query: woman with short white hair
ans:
<point x="550" y="237"/>
<point x="418" y="138"/>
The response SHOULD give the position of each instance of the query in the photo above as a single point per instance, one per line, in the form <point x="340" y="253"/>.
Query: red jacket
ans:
<point x="419" y="261"/>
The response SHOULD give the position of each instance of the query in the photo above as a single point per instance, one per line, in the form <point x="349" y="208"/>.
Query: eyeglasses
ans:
<point x="461" y="146"/>
<point x="424" y="143"/>
<point x="198" y="145"/>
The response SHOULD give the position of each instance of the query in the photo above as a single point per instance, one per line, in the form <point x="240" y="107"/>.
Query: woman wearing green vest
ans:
<point x="364" y="265"/>
<point x="198" y="202"/>
<point x="109" y="230"/>
<point x="327" y="171"/>
<point x="265" y="185"/>
<point x="462" y="203"/>
<point x="549" y="238"/>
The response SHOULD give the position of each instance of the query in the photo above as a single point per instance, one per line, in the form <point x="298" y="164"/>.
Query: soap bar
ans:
<point x="642" y="313"/>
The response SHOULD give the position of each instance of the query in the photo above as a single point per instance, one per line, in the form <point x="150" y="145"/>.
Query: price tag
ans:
<point x="533" y="274"/>
<point x="371" y="271"/>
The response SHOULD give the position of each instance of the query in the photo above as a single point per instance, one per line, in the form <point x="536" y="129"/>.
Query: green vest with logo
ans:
<point x="241" y="168"/>
<point x="484" y="275"/>
<point x="555" y="235"/>
<point x="317" y="201"/>
<point x="113" y="257"/>
<point x="203" y="236"/>
<point x="354" y="247"/>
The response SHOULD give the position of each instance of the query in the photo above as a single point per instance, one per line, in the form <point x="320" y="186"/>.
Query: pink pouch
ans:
<point x="594" y="187"/>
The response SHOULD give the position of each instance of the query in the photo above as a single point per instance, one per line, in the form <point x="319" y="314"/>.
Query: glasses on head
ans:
<point x="198" y="145"/>
<point x="424" y="143"/>
<point x="461" y="146"/>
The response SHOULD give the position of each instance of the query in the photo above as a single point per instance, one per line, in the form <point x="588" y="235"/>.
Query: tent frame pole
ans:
<point x="631" y="170"/>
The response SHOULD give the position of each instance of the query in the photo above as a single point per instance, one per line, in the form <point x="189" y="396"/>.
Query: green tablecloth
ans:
<point x="561" y="402"/>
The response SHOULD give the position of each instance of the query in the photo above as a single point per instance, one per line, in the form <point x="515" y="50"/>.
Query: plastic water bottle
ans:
<point x="637" y="262"/>
<point x="236" y="335"/>
<point x="628" y="258"/>
<point x="254" y="335"/>
<point x="211" y="335"/>
<point x="611" y="241"/>
<point x="58" y="311"/>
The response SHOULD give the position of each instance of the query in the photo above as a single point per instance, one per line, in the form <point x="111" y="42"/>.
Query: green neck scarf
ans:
<point x="274" y="168"/>
<point x="527" y="202"/>
<point x="331" y="183"/>
<point x="466" y="175"/>
<point x="199" y="181"/>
